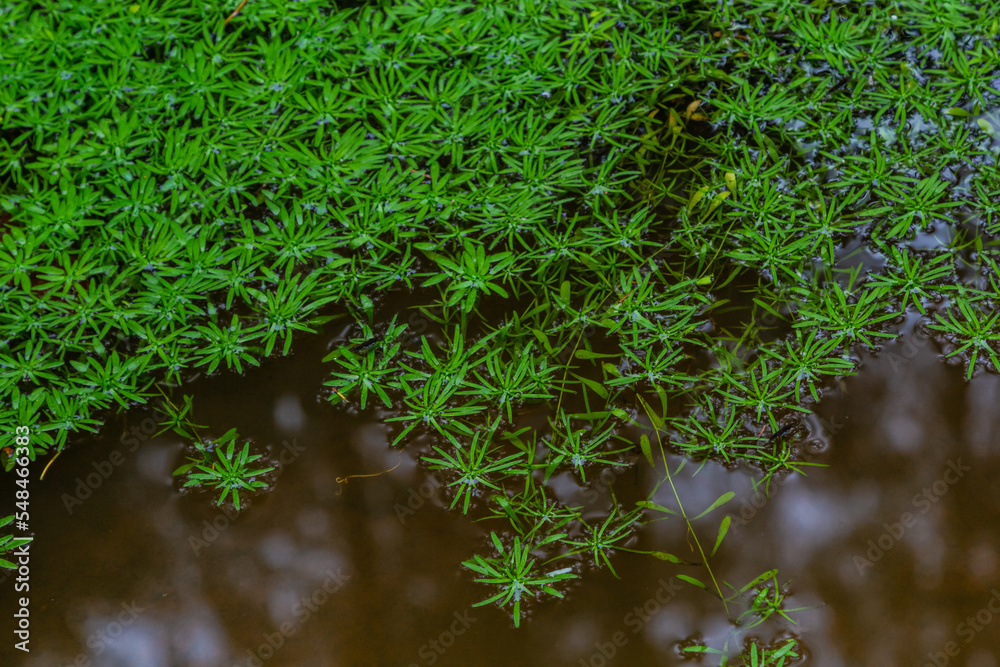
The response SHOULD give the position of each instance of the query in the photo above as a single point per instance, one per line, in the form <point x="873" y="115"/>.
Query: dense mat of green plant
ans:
<point x="691" y="215"/>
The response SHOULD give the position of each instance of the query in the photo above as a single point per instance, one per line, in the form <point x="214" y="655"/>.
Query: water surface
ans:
<point x="893" y="547"/>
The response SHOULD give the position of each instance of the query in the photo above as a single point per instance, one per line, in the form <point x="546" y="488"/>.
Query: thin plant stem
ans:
<point x="680" y="505"/>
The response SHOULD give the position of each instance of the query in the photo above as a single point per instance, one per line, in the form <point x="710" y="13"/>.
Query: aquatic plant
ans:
<point x="710" y="210"/>
<point x="227" y="471"/>
<point x="512" y="572"/>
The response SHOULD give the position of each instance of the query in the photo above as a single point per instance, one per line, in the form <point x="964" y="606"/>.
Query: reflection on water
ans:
<point x="894" y="547"/>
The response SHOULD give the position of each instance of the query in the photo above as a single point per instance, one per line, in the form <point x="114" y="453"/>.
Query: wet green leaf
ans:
<point x="691" y="580"/>
<point x="647" y="450"/>
<point x="593" y="386"/>
<point x="587" y="354"/>
<point x="770" y="574"/>
<point x="670" y="558"/>
<point x="723" y="529"/>
<point x="647" y="504"/>
<point x="721" y="500"/>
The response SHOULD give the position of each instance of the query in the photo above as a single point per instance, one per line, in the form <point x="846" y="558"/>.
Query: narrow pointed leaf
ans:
<point x="721" y="500"/>
<point x="723" y="529"/>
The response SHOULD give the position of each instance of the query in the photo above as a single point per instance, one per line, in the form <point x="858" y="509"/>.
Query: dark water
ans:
<point x="894" y="547"/>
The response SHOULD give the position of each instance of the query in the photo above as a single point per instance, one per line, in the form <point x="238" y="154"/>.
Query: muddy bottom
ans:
<point x="893" y="548"/>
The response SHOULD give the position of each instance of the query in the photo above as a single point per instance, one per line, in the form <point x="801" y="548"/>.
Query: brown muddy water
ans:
<point x="894" y="547"/>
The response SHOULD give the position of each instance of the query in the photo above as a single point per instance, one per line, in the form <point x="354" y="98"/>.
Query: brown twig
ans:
<point x="343" y="480"/>
<point x="233" y="15"/>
